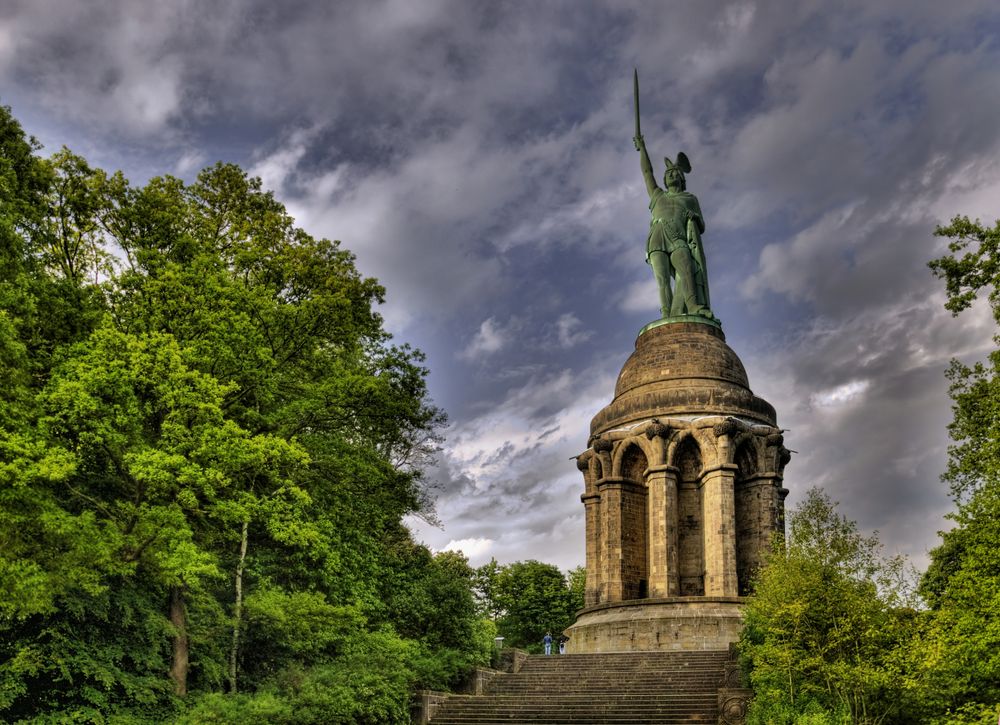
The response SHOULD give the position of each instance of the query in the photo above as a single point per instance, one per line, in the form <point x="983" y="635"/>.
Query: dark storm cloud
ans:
<point x="477" y="157"/>
<point x="865" y="402"/>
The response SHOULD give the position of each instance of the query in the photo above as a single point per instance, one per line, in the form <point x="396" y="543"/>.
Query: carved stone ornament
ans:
<point x="656" y="428"/>
<point x="734" y="710"/>
<point x="733" y="679"/>
<point x="602" y="445"/>
<point x="727" y="427"/>
<point x="775" y="439"/>
<point x="784" y="455"/>
<point x="582" y="463"/>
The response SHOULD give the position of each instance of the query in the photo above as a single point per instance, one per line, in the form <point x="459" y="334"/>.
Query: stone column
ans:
<point x="589" y="466"/>
<point x="595" y="570"/>
<point x="673" y="522"/>
<point x="756" y="522"/>
<point x="719" y="515"/>
<point x="661" y="483"/>
<point x="610" y="490"/>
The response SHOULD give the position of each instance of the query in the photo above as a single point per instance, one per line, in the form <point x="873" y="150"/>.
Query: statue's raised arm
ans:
<point x="673" y="246"/>
<point x="647" y="167"/>
<point x="640" y="144"/>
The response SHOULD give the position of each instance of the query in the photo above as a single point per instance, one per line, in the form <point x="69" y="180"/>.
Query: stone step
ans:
<point x="637" y="688"/>
<point x="635" y="708"/>
<point x="525" y="694"/>
<point x="541" y="669"/>
<point x="572" y="714"/>
<point x="537" y="672"/>
<point x="586" y="682"/>
<point x="588" y="699"/>
<point x="688" y="718"/>
<point x="531" y="716"/>
<point x="650" y="667"/>
<point x="503" y="688"/>
<point x="546" y="672"/>
<point x="625" y="656"/>
<point x="639" y="667"/>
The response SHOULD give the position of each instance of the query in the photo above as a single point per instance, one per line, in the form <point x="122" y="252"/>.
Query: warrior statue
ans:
<point x="673" y="247"/>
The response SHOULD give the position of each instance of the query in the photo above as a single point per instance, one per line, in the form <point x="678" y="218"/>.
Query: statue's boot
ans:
<point x="693" y="307"/>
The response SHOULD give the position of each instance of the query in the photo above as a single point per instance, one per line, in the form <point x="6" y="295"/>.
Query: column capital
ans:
<point x="762" y="479"/>
<point x="721" y="468"/>
<point x="617" y="483"/>
<point x="662" y="469"/>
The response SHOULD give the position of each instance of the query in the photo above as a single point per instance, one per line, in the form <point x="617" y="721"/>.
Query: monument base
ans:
<point x="650" y="625"/>
<point x="697" y="319"/>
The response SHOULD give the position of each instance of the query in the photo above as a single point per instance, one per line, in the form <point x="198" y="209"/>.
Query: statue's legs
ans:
<point x="685" y="297"/>
<point x="660" y="262"/>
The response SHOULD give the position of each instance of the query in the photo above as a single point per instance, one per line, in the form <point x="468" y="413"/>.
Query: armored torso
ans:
<point x="670" y="214"/>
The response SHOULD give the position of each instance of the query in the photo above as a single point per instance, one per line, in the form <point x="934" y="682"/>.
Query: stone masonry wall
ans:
<point x="690" y="539"/>
<point x="634" y="576"/>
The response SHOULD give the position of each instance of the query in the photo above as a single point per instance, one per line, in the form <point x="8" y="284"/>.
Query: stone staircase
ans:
<point x="637" y="688"/>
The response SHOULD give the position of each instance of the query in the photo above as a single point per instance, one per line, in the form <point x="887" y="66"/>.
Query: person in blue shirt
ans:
<point x="547" y="641"/>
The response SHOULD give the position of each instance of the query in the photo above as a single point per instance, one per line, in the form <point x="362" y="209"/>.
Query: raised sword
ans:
<point x="635" y="95"/>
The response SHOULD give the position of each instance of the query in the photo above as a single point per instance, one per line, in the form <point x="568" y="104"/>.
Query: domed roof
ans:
<point x="681" y="351"/>
<point x="682" y="369"/>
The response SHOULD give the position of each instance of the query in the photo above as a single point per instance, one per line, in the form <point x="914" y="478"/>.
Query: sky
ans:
<point x="477" y="157"/>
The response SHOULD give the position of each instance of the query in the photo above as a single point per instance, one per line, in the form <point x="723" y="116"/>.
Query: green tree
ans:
<point x="208" y="445"/>
<point x="145" y="456"/>
<point x="577" y="582"/>
<point x="827" y="629"/>
<point x="961" y="656"/>
<point x="535" y="598"/>
<point x="484" y="585"/>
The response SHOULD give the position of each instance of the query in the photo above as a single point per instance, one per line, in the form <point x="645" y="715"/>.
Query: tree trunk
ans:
<point x="238" y="610"/>
<point x="178" y="618"/>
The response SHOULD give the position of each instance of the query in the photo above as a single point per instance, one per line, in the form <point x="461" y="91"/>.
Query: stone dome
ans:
<point x="681" y="369"/>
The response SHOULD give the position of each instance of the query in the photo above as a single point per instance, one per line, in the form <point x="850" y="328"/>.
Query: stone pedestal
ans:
<point x="683" y="494"/>
<point x="647" y="625"/>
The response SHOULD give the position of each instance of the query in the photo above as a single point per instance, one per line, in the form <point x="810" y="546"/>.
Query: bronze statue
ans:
<point x="673" y="247"/>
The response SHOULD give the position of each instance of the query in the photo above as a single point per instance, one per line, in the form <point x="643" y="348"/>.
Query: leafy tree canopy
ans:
<point x="526" y="599"/>
<point x="961" y="657"/>
<point x="208" y="444"/>
<point x="828" y="625"/>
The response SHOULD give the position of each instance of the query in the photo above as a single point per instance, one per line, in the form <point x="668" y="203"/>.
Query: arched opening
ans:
<point x="690" y="544"/>
<point x="749" y="508"/>
<point x="635" y="577"/>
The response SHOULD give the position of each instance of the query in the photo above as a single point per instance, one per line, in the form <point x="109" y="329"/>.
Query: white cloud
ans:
<point x="518" y="486"/>
<point x="190" y="161"/>
<point x="476" y="549"/>
<point x="841" y="394"/>
<point x="794" y="267"/>
<point x="569" y="334"/>
<point x="641" y="296"/>
<point x="491" y="337"/>
<point x="600" y="209"/>
<point x="277" y="168"/>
